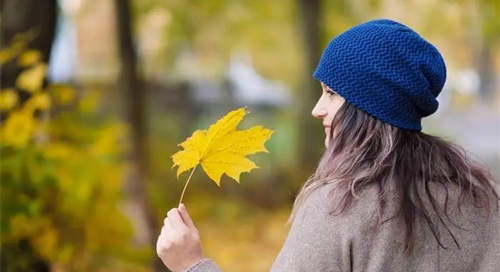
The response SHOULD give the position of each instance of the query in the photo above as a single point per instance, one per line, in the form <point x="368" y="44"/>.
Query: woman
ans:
<point x="385" y="196"/>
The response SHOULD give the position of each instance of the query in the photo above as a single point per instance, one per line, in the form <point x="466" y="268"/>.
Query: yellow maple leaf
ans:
<point x="222" y="149"/>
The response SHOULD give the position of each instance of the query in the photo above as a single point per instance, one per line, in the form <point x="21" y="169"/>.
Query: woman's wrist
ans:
<point x="197" y="264"/>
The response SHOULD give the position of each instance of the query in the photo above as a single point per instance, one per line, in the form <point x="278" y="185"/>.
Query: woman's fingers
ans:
<point x="165" y="238"/>
<point x="185" y="217"/>
<point x="166" y="222"/>
<point x="175" y="220"/>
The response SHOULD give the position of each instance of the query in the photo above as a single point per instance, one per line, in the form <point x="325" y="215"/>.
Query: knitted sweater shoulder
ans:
<point x="319" y="241"/>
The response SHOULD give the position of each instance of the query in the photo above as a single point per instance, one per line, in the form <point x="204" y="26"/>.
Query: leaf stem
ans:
<point x="187" y="182"/>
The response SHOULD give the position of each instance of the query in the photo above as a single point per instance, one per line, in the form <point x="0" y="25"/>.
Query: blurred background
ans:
<point x="97" y="94"/>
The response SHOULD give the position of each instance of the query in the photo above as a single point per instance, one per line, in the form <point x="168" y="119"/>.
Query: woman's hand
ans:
<point x="179" y="245"/>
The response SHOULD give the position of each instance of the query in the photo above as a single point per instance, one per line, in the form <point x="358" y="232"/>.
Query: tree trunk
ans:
<point x="137" y="204"/>
<point x="311" y="134"/>
<point x="486" y="70"/>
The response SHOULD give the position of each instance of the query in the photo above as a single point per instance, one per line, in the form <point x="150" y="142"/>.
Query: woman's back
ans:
<point x="319" y="241"/>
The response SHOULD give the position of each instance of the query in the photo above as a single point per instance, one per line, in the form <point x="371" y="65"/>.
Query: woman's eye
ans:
<point x="330" y="92"/>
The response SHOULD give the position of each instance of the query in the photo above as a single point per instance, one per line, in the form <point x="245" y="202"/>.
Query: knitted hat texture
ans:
<point x="385" y="69"/>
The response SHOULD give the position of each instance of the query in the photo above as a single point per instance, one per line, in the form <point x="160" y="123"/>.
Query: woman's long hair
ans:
<point x="365" y="152"/>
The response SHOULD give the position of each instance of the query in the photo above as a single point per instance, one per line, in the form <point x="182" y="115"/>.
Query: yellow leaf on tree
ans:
<point x="8" y="99"/>
<point x="29" y="57"/>
<point x="222" y="149"/>
<point x="89" y="102"/>
<point x="31" y="79"/>
<point x="18" y="129"/>
<point x="39" y="101"/>
<point x="62" y="93"/>
<point x="13" y="50"/>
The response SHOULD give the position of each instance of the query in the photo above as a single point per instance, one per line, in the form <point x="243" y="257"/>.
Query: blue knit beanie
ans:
<point x="385" y="69"/>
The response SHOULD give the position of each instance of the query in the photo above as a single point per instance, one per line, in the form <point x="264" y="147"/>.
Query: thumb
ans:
<point x="185" y="217"/>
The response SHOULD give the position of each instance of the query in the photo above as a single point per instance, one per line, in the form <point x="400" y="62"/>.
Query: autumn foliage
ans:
<point x="62" y="171"/>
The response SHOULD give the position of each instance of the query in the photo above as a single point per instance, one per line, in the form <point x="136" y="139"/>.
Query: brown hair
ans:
<point x="367" y="152"/>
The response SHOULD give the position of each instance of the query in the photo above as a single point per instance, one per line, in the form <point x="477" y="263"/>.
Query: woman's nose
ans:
<point x="319" y="112"/>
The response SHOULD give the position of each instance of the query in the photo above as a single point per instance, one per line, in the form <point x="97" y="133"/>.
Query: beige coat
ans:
<point x="318" y="241"/>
